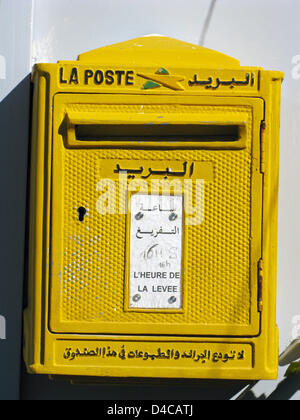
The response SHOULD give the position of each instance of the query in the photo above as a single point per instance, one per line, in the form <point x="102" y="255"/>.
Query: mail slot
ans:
<point x="153" y="215"/>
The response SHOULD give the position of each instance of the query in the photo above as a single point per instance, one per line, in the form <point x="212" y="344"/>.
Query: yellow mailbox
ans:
<point x="153" y="221"/>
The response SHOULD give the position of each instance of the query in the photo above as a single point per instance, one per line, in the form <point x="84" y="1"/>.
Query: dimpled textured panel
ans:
<point x="216" y="263"/>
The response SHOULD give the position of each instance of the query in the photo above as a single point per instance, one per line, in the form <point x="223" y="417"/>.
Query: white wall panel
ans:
<point x="65" y="28"/>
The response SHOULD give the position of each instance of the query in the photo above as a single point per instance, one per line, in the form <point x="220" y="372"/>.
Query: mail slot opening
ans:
<point x="158" y="132"/>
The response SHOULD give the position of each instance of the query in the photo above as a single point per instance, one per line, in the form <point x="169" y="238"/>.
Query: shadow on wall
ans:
<point x="14" y="138"/>
<point x="42" y="388"/>
<point x="285" y="390"/>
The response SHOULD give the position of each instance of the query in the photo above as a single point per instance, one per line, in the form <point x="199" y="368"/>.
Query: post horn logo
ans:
<point x="162" y="78"/>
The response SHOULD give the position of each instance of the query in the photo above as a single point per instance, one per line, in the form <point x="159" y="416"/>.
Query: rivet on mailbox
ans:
<point x="153" y="221"/>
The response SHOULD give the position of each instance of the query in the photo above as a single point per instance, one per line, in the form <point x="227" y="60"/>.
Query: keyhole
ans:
<point x="81" y="213"/>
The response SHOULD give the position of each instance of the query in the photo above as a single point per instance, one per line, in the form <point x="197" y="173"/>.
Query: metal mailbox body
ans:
<point x="183" y="285"/>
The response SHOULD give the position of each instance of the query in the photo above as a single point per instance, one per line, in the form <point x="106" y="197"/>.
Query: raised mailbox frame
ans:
<point x="188" y="114"/>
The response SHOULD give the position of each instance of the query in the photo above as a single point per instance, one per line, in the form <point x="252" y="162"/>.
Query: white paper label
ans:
<point x="155" y="252"/>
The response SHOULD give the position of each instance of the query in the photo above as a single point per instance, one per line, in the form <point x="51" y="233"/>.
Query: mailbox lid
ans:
<point x="89" y="259"/>
<point x="160" y="48"/>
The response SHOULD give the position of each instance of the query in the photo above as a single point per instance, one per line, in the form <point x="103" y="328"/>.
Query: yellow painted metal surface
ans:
<point x="187" y="122"/>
